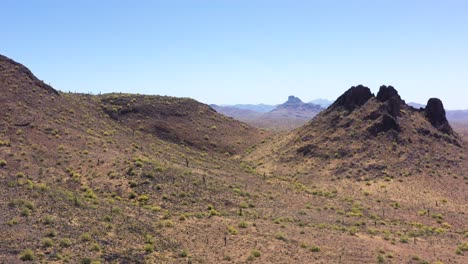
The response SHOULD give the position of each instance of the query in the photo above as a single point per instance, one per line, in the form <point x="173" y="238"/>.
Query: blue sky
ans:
<point x="243" y="51"/>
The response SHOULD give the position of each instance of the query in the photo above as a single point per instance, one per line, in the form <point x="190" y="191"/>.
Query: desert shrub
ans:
<point x="86" y="261"/>
<point x="3" y="163"/>
<point x="255" y="253"/>
<point x="404" y="239"/>
<point x="380" y="258"/>
<point x="12" y="222"/>
<point x="27" y="255"/>
<point x="51" y="233"/>
<point x="232" y="230"/>
<point x="213" y="212"/>
<point x="48" y="220"/>
<point x="95" y="247"/>
<point x="243" y="224"/>
<point x="166" y="223"/>
<point x="47" y="242"/>
<point x="462" y="248"/>
<point x="183" y="254"/>
<point x="280" y="236"/>
<point x="143" y="199"/>
<point x="149" y="248"/>
<point x="65" y="243"/>
<point x="352" y="231"/>
<point x="85" y="237"/>
<point x="315" y="249"/>
<point x="25" y="212"/>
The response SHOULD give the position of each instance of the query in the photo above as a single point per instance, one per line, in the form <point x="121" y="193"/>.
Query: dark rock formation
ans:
<point x="353" y="98"/>
<point x="391" y="99"/>
<point x="387" y="92"/>
<point x="435" y="113"/>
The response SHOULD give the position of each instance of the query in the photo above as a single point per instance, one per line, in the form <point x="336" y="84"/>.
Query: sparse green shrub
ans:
<point x="3" y="163"/>
<point x="86" y="261"/>
<point x="315" y="249"/>
<point x="404" y="239"/>
<point x="132" y="195"/>
<point x="166" y="223"/>
<point x="27" y="255"/>
<point x="380" y="258"/>
<point x="149" y="248"/>
<point x="25" y="212"/>
<point x="213" y="212"/>
<point x="47" y="242"/>
<point x="232" y="230"/>
<point x="85" y="237"/>
<point x="13" y="221"/>
<point x="243" y="224"/>
<point x="143" y="199"/>
<point x="65" y="243"/>
<point x="280" y="236"/>
<point x="132" y="184"/>
<point x="48" y="220"/>
<point x="352" y="231"/>
<point x="462" y="248"/>
<point x="51" y="233"/>
<point x="183" y="254"/>
<point x="95" y="247"/>
<point x="255" y="253"/>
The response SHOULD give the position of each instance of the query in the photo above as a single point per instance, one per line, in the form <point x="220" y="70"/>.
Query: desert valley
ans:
<point x="131" y="178"/>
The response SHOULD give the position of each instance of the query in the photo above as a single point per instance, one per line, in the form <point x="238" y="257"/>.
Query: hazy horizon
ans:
<point x="244" y="52"/>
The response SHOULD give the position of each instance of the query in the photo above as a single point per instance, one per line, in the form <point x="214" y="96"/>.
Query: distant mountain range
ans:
<point x="260" y="108"/>
<point x="289" y="115"/>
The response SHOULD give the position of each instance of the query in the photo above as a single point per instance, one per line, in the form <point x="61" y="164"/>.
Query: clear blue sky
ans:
<point x="243" y="51"/>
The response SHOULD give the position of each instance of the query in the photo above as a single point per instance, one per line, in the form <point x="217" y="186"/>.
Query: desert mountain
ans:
<point x="373" y="136"/>
<point x="123" y="178"/>
<point x="295" y="108"/>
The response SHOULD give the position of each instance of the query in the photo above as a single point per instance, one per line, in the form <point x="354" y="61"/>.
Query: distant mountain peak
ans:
<point x="294" y="100"/>
<point x="295" y="104"/>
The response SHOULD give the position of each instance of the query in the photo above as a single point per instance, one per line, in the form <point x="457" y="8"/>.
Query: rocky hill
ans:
<point x="374" y="136"/>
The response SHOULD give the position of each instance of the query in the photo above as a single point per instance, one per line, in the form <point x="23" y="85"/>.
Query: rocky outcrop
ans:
<point x="386" y="93"/>
<point x="435" y="113"/>
<point x="355" y="97"/>
<point x="391" y="100"/>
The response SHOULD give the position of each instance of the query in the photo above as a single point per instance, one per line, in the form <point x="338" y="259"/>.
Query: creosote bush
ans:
<point x="27" y="255"/>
